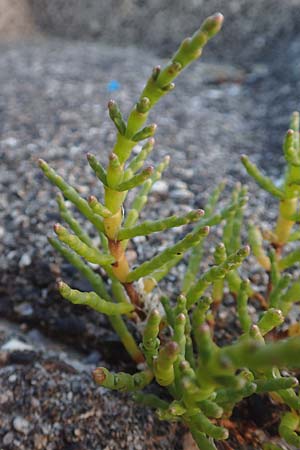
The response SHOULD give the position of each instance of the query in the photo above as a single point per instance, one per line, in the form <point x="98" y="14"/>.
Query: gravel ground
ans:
<point x="53" y="106"/>
<point x="51" y="403"/>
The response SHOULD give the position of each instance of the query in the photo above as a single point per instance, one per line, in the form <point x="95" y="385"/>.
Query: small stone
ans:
<point x="8" y="438"/>
<point x="21" y="425"/>
<point x="35" y="403"/>
<point x="93" y="358"/>
<point x="10" y="141"/>
<point x="25" y="260"/>
<point x="4" y="398"/>
<point x="131" y="256"/>
<point x="35" y="336"/>
<point x="181" y="194"/>
<point x="16" y="345"/>
<point x="40" y="441"/>
<point x="12" y="378"/>
<point x="160" y="187"/>
<point x="24" y="309"/>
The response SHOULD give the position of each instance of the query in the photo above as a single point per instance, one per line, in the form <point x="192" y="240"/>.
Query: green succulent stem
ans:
<point x="151" y="341"/>
<point x="256" y="243"/>
<point x="150" y="227"/>
<point x="216" y="272"/>
<point x="122" y="381"/>
<point x="264" y="182"/>
<point x="288" y="428"/>
<point x="287" y="209"/>
<point x="182" y="246"/>
<point x="91" y="254"/>
<point x="96" y="282"/>
<point x="71" y="194"/>
<point x="92" y="300"/>
<point x="163" y="363"/>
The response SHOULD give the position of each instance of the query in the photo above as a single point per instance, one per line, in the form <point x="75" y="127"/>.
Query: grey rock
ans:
<point x="25" y="260"/>
<point x="8" y="438"/>
<point x="21" y="425"/>
<point x="24" y="309"/>
<point x="16" y="345"/>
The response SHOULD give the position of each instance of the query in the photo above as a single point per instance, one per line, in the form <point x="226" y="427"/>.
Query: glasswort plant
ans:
<point x="204" y="381"/>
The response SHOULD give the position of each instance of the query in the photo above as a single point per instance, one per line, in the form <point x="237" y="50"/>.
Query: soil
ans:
<point x="53" y="106"/>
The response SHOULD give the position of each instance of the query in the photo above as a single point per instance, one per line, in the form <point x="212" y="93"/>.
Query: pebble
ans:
<point x="25" y="260"/>
<point x="10" y="141"/>
<point x="181" y="195"/>
<point x="24" y="309"/>
<point x="36" y="336"/>
<point x="16" y="345"/>
<point x="93" y="358"/>
<point x="21" y="425"/>
<point x="12" y="378"/>
<point x="40" y="441"/>
<point x="160" y="187"/>
<point x="8" y="438"/>
<point x="131" y="256"/>
<point x="4" y="398"/>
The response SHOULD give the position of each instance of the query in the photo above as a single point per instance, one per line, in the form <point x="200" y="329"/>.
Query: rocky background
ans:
<point x="60" y="63"/>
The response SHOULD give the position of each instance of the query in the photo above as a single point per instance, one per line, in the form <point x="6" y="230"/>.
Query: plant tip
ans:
<point x="99" y="375"/>
<point x="206" y="229"/>
<point x="149" y="170"/>
<point x="184" y="365"/>
<point x="60" y="285"/>
<point x="200" y="212"/>
<point x="41" y="162"/>
<point x="155" y="313"/>
<point x="204" y="328"/>
<point x="247" y="249"/>
<point x="91" y="199"/>
<point x="172" y="347"/>
<point x="57" y="228"/>
<point x="180" y="318"/>
<point x="218" y="17"/>
<point x="113" y="157"/>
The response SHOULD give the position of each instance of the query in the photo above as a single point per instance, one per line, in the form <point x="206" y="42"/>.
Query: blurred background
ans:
<point x="253" y="28"/>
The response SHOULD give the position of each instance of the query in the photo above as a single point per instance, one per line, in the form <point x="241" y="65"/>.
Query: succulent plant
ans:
<point x="177" y="350"/>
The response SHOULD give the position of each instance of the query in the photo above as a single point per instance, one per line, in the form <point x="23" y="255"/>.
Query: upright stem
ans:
<point x="287" y="208"/>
